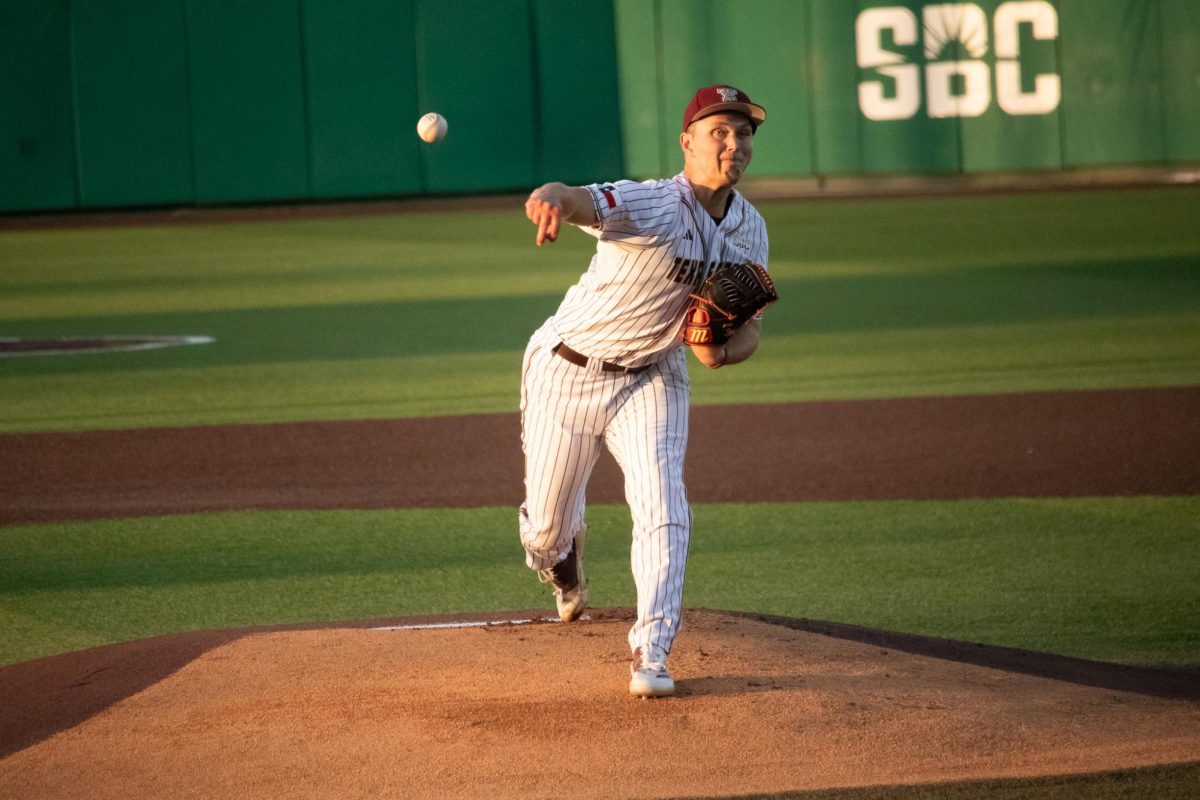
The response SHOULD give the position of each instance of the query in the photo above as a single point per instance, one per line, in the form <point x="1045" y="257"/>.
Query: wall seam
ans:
<point x="535" y="79"/>
<point x="72" y="69"/>
<point x="191" y="112"/>
<point x="660" y="89"/>
<point x="306" y="89"/>
<point x="421" y="73"/>
<point x="811" y="89"/>
<point x="1161" y="83"/>
<point x="1061" y="111"/>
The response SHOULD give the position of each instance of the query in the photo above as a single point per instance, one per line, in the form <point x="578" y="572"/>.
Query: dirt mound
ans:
<point x="520" y="711"/>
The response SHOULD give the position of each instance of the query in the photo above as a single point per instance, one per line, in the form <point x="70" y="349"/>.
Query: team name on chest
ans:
<point x="693" y="271"/>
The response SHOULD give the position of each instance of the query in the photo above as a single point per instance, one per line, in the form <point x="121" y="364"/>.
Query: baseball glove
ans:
<point x="732" y="296"/>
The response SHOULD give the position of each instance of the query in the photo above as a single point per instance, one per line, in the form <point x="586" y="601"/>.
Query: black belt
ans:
<point x="579" y="359"/>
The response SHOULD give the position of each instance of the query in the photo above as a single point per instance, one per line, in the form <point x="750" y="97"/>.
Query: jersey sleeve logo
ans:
<point x="611" y="195"/>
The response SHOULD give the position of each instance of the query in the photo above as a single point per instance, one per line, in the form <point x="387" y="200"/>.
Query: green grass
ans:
<point x="427" y="314"/>
<point x="1115" y="579"/>
<point x="1157" y="350"/>
<point x="187" y="269"/>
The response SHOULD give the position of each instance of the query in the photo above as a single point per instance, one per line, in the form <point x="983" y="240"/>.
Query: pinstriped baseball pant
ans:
<point x="568" y="413"/>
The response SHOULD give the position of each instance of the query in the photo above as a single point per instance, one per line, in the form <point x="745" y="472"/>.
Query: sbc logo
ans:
<point x="954" y="88"/>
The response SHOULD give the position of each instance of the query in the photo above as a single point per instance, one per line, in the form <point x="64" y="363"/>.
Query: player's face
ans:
<point x="717" y="149"/>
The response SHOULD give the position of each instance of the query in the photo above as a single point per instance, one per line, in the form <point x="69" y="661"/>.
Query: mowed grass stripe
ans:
<point x="990" y="298"/>
<point x="61" y="273"/>
<point x="1113" y="579"/>
<point x="241" y="266"/>
<point x="1103" y="354"/>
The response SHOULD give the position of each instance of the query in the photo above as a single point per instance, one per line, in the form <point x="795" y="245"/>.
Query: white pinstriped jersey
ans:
<point x="656" y="245"/>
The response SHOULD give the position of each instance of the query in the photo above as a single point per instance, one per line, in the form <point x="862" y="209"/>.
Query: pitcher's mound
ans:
<point x="541" y="710"/>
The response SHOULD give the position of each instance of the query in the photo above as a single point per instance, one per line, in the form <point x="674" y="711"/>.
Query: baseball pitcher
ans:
<point x="680" y="264"/>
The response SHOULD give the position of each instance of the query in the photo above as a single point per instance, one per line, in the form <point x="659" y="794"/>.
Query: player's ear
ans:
<point x="685" y="141"/>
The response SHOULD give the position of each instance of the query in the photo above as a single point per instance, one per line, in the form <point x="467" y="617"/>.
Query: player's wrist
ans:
<point x="715" y="356"/>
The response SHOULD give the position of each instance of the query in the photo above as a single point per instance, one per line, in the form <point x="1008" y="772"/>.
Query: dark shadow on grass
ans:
<point x="1001" y="294"/>
<point x="989" y="295"/>
<point x="1171" y="684"/>
<point x="297" y="334"/>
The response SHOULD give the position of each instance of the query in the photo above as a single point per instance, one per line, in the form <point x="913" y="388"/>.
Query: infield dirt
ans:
<point x="1048" y="444"/>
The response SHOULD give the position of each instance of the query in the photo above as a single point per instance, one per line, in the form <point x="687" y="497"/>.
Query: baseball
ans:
<point x="431" y="127"/>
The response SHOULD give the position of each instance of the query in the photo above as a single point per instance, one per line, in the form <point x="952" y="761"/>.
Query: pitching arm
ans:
<point x="550" y="205"/>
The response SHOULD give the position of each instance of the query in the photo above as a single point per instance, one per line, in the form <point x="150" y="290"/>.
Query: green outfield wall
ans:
<point x="879" y="86"/>
<point x="109" y="103"/>
<point x="114" y="103"/>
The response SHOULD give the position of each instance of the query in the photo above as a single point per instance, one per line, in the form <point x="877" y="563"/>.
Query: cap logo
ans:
<point x="728" y="95"/>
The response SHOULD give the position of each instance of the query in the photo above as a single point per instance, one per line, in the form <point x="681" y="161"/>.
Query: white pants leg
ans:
<point x="648" y="437"/>
<point x="564" y="409"/>
<point x="568" y="413"/>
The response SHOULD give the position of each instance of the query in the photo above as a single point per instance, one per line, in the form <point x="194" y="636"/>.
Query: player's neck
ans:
<point x="715" y="201"/>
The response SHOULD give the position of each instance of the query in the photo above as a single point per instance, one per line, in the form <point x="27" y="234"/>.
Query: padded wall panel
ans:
<point x="247" y="99"/>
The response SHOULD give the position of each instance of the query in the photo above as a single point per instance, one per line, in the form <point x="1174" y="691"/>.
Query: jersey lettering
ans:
<point x="693" y="272"/>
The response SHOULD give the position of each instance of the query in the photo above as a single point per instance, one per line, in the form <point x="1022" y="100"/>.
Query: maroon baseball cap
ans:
<point x="715" y="99"/>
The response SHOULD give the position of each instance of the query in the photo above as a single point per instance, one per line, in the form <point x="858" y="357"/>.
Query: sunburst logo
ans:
<point x="954" y="81"/>
<point x="960" y="23"/>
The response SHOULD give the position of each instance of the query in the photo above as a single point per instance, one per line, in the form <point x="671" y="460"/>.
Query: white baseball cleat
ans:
<point x="570" y="584"/>
<point x="648" y="676"/>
